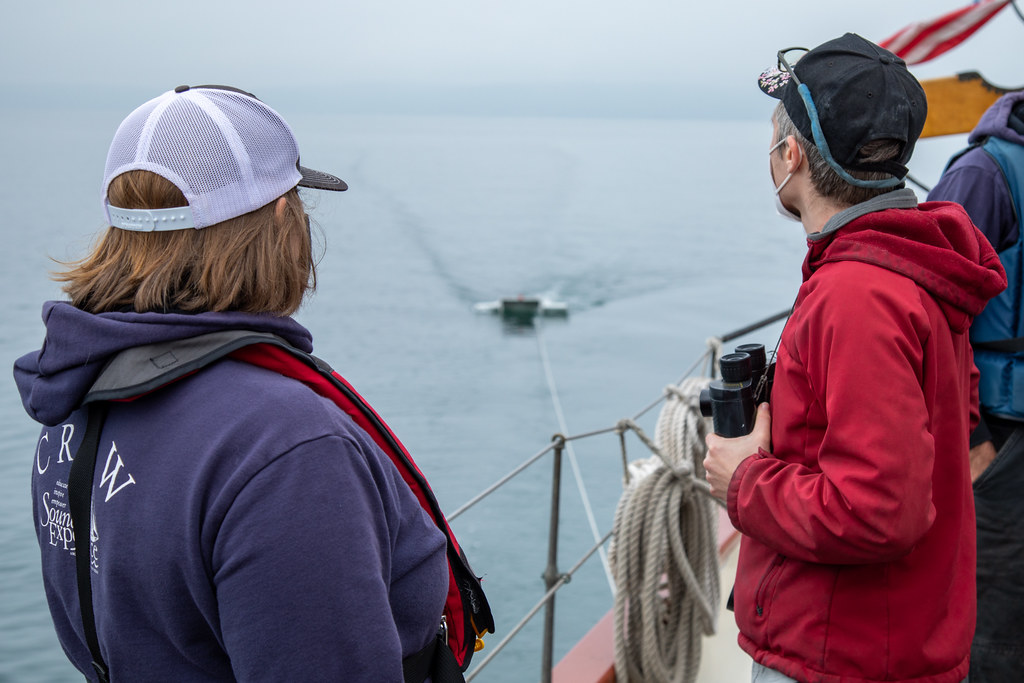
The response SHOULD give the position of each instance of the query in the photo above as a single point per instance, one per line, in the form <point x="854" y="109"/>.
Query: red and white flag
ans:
<point x="926" y="40"/>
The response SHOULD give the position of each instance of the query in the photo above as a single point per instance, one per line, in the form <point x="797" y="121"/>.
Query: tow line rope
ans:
<point x="577" y="474"/>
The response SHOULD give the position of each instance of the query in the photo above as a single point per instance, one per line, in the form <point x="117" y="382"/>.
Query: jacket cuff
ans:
<point x="733" y="494"/>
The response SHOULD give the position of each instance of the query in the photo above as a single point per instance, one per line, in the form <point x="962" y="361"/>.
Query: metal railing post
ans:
<point x="551" y="574"/>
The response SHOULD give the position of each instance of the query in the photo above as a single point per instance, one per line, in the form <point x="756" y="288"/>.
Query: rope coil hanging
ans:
<point x="665" y="555"/>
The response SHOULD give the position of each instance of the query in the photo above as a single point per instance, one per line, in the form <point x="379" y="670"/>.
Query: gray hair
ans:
<point x="824" y="178"/>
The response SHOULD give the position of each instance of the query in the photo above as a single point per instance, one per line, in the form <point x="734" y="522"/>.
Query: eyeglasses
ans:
<point x="784" y="65"/>
<point x="816" y="132"/>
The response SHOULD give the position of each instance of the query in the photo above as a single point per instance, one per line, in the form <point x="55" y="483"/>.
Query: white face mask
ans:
<point x="779" y="207"/>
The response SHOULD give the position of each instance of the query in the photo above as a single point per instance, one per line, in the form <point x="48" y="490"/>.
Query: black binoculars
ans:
<point x="731" y="402"/>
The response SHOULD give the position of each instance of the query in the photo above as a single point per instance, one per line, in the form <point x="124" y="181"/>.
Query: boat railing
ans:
<point x="554" y="578"/>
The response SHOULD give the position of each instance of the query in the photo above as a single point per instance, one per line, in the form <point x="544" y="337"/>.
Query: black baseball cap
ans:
<point x="854" y="92"/>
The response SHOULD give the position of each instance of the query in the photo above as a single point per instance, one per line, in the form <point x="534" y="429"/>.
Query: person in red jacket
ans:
<point x="853" y="491"/>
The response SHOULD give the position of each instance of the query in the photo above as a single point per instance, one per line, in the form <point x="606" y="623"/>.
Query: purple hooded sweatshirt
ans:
<point x="243" y="527"/>
<point x="975" y="181"/>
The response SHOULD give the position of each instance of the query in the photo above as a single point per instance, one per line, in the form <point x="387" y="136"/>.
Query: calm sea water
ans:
<point x="658" y="234"/>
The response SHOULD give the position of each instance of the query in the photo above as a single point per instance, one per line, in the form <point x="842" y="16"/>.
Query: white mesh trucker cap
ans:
<point x="226" y="151"/>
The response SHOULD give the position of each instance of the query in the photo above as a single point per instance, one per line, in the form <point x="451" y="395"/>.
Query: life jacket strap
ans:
<point x="436" y="660"/>
<point x="144" y="369"/>
<point x="80" y="501"/>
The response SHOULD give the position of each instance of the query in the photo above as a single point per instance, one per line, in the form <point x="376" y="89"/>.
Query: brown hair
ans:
<point x="257" y="263"/>
<point x="824" y="178"/>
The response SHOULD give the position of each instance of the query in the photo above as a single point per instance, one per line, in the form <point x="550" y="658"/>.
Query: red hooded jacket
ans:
<point x="857" y="561"/>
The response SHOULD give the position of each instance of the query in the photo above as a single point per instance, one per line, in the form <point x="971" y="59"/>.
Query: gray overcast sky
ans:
<point x="692" y="48"/>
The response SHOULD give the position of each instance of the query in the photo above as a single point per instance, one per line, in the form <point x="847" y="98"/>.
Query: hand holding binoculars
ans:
<point x="731" y="402"/>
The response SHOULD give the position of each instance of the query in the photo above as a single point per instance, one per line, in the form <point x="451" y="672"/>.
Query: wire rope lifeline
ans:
<point x="665" y="556"/>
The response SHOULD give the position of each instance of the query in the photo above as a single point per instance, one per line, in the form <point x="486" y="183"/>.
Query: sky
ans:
<point x="458" y="56"/>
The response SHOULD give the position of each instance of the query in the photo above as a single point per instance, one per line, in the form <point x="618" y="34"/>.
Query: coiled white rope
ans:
<point x="665" y="555"/>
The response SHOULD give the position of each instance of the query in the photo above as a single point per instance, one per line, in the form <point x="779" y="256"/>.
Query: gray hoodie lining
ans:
<point x="903" y="198"/>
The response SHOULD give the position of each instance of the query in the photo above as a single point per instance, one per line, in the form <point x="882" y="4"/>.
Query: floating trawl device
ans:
<point x="524" y="307"/>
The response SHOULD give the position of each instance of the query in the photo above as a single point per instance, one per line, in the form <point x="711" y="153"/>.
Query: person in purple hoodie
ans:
<point x="242" y="526"/>
<point x="988" y="180"/>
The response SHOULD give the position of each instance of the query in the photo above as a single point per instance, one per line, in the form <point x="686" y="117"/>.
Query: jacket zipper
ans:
<point x="762" y="589"/>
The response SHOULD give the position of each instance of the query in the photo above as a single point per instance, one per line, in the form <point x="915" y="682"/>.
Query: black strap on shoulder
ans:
<point x="80" y="502"/>
<point x="142" y="369"/>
